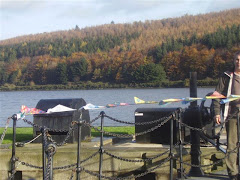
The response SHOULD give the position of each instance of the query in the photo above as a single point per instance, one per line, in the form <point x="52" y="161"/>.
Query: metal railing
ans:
<point x="49" y="148"/>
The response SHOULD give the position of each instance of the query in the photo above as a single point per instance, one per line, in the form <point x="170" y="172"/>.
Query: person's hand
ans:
<point x="217" y="119"/>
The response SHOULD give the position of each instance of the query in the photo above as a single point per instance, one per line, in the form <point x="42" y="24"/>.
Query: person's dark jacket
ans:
<point x="221" y="88"/>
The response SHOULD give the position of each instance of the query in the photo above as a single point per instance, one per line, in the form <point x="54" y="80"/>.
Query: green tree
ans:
<point x="78" y="70"/>
<point x="150" y="73"/>
<point x="61" y="72"/>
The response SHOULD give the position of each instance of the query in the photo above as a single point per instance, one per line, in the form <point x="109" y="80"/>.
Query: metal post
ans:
<point x="180" y="143"/>
<point x="13" y="159"/>
<point x="51" y="169"/>
<point x="171" y="146"/>
<point x="50" y="151"/>
<point x="194" y="136"/>
<point x="101" y="146"/>
<point x="43" y="151"/>
<point x="238" y="134"/>
<point x="79" y="145"/>
<point x="193" y="87"/>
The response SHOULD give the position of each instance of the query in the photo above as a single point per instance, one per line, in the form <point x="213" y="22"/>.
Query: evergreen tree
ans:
<point x="149" y="73"/>
<point x="62" y="73"/>
<point x="78" y="70"/>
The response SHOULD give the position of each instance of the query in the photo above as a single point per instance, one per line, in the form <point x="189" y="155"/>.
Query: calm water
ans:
<point x="11" y="102"/>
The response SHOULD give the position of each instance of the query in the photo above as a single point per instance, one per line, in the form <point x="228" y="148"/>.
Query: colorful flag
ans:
<point x="190" y="99"/>
<point x="140" y="101"/>
<point x="26" y="110"/>
<point x="168" y="101"/>
<point x="230" y="98"/>
<point x="215" y="95"/>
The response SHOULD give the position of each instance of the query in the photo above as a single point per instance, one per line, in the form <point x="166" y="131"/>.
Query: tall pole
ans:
<point x="194" y="136"/>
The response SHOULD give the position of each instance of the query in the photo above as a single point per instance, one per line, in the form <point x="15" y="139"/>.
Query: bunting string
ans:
<point x="60" y="108"/>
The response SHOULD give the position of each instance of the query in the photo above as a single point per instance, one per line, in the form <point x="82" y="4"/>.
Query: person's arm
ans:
<point x="220" y="88"/>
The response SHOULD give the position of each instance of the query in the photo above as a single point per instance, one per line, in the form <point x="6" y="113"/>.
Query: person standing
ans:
<point x="229" y="83"/>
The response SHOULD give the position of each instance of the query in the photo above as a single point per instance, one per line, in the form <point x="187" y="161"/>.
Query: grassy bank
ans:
<point x="106" y="85"/>
<point x="26" y="133"/>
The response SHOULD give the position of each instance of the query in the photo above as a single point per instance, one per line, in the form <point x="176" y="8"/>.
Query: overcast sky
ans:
<point x="23" y="17"/>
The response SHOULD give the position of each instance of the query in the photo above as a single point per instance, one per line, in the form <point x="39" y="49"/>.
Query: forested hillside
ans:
<point x="142" y="52"/>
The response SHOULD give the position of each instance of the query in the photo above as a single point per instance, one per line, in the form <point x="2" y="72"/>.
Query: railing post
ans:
<point x="194" y="135"/>
<point x="43" y="129"/>
<point x="181" y="173"/>
<point x="79" y="145"/>
<point x="50" y="151"/>
<point x="13" y="159"/>
<point x="101" y="146"/>
<point x="171" y="147"/>
<point x="238" y="129"/>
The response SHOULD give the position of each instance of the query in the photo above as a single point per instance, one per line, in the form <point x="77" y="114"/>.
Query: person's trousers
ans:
<point x="231" y="160"/>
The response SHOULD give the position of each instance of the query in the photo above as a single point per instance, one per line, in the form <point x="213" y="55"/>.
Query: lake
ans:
<point x="11" y="102"/>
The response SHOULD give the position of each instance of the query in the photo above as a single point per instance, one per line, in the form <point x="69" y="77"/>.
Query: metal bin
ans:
<point x="61" y="120"/>
<point x="160" y="135"/>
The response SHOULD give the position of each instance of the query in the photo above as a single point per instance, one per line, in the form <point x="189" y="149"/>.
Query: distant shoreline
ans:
<point x="106" y="85"/>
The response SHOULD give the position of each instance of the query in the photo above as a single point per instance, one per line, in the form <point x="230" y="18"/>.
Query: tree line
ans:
<point x="113" y="55"/>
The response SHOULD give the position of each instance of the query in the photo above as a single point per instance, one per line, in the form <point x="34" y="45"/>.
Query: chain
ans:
<point x="5" y="129"/>
<point x="67" y="136"/>
<point x="39" y="127"/>
<point x="58" y="130"/>
<point x="129" y="177"/>
<point x="142" y="160"/>
<point x="58" y="168"/>
<point x="93" y="155"/>
<point x="130" y="160"/>
<point x="154" y="128"/>
<point x="72" y="175"/>
<point x="190" y="127"/>
<point x="131" y="135"/>
<point x="96" y="118"/>
<point x="72" y="165"/>
<point x="32" y="124"/>
<point x="65" y="167"/>
<point x="30" y="165"/>
<point x="142" y="123"/>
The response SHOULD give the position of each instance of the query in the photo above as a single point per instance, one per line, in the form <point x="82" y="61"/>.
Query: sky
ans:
<point x="25" y="17"/>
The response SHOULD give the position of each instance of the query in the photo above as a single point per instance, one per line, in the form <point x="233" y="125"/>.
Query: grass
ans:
<point x="23" y="134"/>
<point x="26" y="133"/>
<point x="116" y="130"/>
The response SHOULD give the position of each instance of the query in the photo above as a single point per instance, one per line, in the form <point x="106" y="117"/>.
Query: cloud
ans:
<point x="19" y="17"/>
<point x="20" y="6"/>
